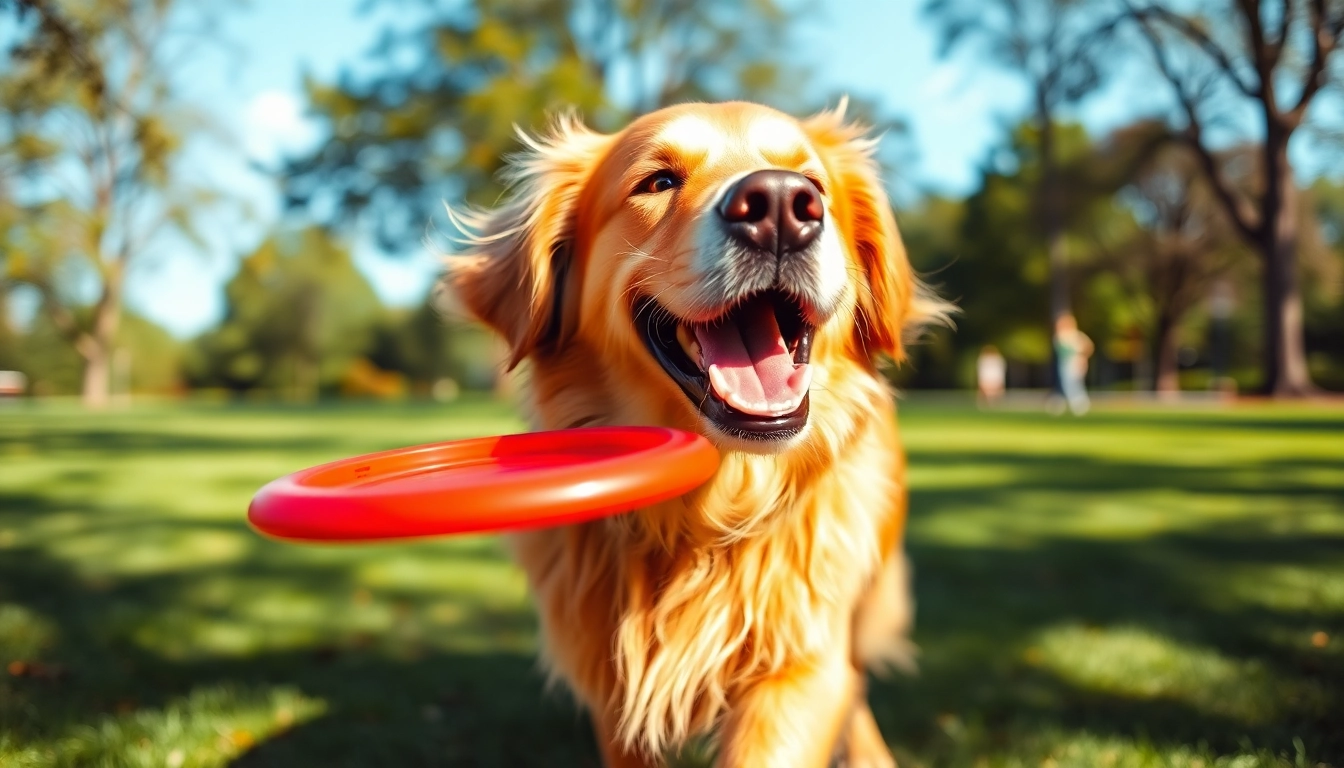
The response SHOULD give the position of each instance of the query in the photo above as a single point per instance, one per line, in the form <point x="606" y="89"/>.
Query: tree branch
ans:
<point x="68" y="40"/>
<point x="61" y="316"/>
<point x="1325" y="35"/>
<point x="1238" y="210"/>
<point x="1265" y="53"/>
<point x="1207" y="44"/>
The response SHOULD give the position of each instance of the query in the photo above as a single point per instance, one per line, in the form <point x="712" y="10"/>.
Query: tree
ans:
<point x="986" y="254"/>
<point x="89" y="136"/>
<point x="417" y="343"/>
<point x="1323" y="299"/>
<point x="1054" y="46"/>
<point x="9" y="340"/>
<point x="1277" y="57"/>
<point x="411" y="136"/>
<point x="297" y="314"/>
<point x="147" y="359"/>
<point x="1182" y="243"/>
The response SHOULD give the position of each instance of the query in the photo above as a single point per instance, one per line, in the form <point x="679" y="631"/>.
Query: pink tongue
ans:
<point x="749" y="365"/>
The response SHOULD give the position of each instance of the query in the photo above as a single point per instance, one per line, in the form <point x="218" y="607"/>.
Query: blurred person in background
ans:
<point x="990" y="372"/>
<point x="1072" y="349"/>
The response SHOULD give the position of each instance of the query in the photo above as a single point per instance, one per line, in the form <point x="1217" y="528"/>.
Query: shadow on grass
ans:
<point x="1082" y="473"/>
<point x="1215" y="420"/>
<point x="391" y="703"/>
<point x="983" y="613"/>
<point x="387" y="702"/>
<point x="112" y="442"/>
<point x="472" y="697"/>
<point x="70" y="432"/>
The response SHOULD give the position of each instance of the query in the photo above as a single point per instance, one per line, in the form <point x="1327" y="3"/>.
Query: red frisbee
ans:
<point x="530" y="480"/>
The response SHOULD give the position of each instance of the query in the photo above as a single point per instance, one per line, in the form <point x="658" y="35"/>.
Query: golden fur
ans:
<point x="750" y="607"/>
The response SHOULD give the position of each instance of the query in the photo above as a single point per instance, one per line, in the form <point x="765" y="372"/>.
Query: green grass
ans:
<point x="1137" y="588"/>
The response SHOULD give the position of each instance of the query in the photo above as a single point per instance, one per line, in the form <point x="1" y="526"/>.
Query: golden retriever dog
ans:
<point x="729" y="270"/>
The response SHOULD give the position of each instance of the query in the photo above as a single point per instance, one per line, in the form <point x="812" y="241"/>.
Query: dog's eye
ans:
<point x="661" y="181"/>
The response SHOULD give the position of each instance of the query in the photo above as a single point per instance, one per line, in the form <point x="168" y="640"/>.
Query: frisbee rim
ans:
<point x="630" y="467"/>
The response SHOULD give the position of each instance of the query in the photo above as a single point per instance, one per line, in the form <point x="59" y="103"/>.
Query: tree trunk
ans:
<point x="1053" y="229"/>
<point x="97" y="392"/>
<point x="1052" y="225"/>
<point x="1284" y="354"/>
<point x="1166" y="351"/>
<point x="96" y="346"/>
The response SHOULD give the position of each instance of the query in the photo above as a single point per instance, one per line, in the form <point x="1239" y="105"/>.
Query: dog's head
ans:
<point x="725" y="263"/>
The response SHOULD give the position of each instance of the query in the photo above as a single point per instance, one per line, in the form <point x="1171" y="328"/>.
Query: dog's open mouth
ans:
<point x="747" y="371"/>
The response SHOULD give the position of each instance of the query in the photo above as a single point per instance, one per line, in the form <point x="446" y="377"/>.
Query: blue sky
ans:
<point x="251" y="81"/>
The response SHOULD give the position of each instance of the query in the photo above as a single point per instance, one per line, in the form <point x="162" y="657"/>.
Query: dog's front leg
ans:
<point x="792" y="719"/>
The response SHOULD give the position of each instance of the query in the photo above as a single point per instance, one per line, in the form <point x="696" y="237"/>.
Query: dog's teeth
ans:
<point x="689" y="345"/>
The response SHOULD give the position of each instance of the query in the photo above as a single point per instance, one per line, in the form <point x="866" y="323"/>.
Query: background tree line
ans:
<point x="1184" y="242"/>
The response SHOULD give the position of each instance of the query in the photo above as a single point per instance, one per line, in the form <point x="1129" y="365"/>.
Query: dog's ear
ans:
<point x="517" y="274"/>
<point x="892" y="304"/>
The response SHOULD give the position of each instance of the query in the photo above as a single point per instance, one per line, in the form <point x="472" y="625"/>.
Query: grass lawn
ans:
<point x="1137" y="588"/>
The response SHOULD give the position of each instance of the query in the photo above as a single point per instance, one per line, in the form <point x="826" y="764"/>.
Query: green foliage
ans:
<point x="297" y="314"/>
<point x="9" y="338"/>
<point x="1141" y="588"/>
<point x="417" y="343"/>
<point x="52" y="365"/>
<point x="152" y="358"/>
<point x="987" y="254"/>
<point x="1323" y="286"/>
<point x="439" y="127"/>
<point x="1147" y="246"/>
<point x="426" y="347"/>
<point x="1173" y="246"/>
<point x="145" y="358"/>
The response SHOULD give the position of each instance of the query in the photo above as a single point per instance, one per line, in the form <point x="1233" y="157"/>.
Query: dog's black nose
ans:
<point x="775" y="211"/>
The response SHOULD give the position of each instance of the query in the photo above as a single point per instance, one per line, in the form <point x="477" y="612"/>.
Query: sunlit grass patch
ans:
<point x="962" y="745"/>
<point x="1137" y="588"/>
<point x="1308" y="587"/>
<point x="209" y="727"/>
<point x="154" y="549"/>
<point x="1137" y="663"/>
